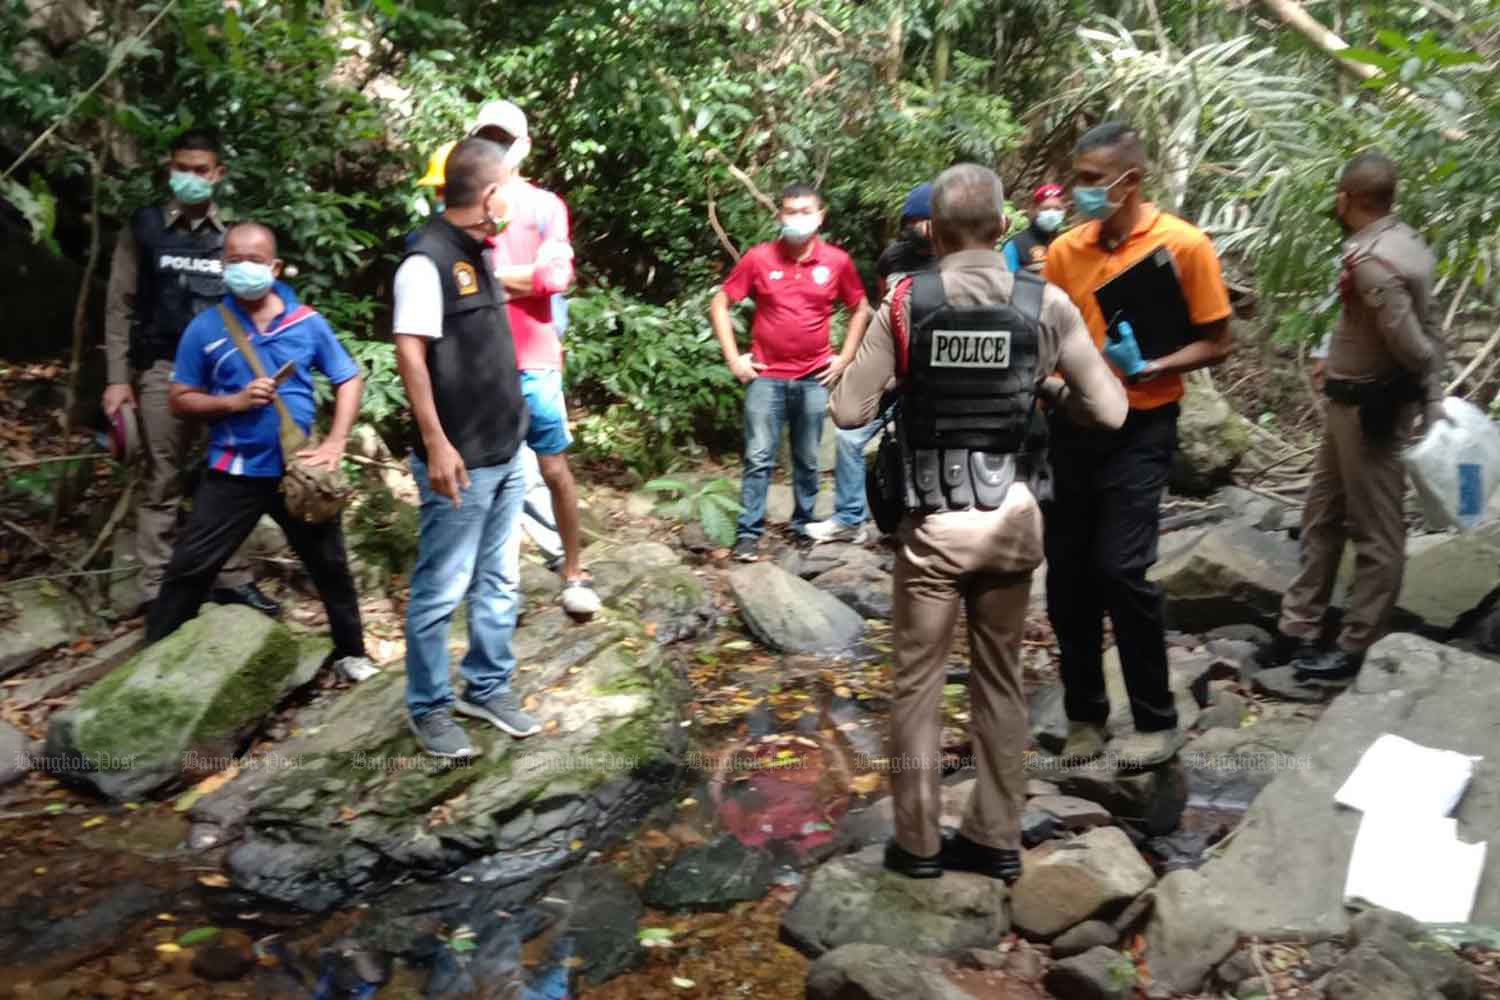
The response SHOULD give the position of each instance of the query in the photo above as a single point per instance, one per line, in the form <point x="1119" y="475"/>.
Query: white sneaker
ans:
<point x="579" y="599"/>
<point x="836" y="531"/>
<point x="355" y="668"/>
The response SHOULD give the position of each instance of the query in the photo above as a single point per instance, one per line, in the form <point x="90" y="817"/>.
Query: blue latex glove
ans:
<point x="1123" y="352"/>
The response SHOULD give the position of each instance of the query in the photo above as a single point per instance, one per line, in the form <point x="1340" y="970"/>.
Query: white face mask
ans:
<point x="799" y="228"/>
<point x="1050" y="220"/>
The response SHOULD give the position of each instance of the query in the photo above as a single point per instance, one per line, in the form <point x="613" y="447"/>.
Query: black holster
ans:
<point x="1380" y="403"/>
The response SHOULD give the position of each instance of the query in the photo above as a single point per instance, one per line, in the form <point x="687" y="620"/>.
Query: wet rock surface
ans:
<point x="712" y="877"/>
<point x="364" y="808"/>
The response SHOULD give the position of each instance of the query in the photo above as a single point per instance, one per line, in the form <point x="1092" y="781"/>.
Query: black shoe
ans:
<point x="747" y="549"/>
<point x="1334" y="665"/>
<point x="1285" y="649"/>
<point x="903" y="862"/>
<point x="249" y="595"/>
<point x="960" y="854"/>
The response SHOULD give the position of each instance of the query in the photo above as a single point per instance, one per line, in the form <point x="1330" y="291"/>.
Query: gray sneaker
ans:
<point x="502" y="711"/>
<point x="439" y="735"/>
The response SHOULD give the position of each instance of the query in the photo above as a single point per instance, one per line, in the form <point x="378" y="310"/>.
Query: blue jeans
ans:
<point x="472" y="551"/>
<point x="849" y="504"/>
<point x="771" y="403"/>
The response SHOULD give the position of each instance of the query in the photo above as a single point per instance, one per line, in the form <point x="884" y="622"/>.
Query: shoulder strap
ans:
<point x="927" y="296"/>
<point x="292" y="437"/>
<point x="899" y="300"/>
<point x="1026" y="295"/>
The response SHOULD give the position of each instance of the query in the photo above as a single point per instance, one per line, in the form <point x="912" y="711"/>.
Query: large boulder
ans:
<point x="1094" y="875"/>
<point x="790" y="614"/>
<point x="868" y="590"/>
<point x="364" y="808"/>
<point x="1232" y="574"/>
<point x="875" y="972"/>
<point x="1283" y="871"/>
<point x="1448" y="576"/>
<point x="1187" y="934"/>
<point x="854" y="899"/>
<point x="35" y="619"/>
<point x="195" y="695"/>
<point x="1211" y="438"/>
<point x="1391" y="956"/>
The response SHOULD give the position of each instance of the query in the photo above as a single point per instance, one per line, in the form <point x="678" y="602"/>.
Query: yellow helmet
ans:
<point x="437" y="164"/>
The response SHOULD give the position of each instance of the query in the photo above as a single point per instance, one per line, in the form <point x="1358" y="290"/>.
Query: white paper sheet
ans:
<point x="1397" y="775"/>
<point x="1415" y="865"/>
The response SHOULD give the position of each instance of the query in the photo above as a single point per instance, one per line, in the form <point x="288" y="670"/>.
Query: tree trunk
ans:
<point x="942" y="50"/>
<point x="895" y="41"/>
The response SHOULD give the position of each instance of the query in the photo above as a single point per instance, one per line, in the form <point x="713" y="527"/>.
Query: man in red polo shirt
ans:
<point x="796" y="282"/>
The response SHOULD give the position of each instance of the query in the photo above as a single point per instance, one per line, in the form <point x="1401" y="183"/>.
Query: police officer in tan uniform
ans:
<point x="972" y="346"/>
<point x="1384" y="366"/>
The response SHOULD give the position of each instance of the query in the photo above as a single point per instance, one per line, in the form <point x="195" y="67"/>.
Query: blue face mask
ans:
<point x="248" y="280"/>
<point x="189" y="188"/>
<point x="1094" y="203"/>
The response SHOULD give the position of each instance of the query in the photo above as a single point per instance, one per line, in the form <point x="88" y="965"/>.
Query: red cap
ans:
<point x="1046" y="191"/>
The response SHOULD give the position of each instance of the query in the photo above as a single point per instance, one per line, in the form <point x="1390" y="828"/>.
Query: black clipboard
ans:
<point x="1149" y="295"/>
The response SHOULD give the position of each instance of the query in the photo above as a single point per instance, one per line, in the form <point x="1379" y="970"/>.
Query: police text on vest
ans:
<point x="971" y="349"/>
<point x="195" y="265"/>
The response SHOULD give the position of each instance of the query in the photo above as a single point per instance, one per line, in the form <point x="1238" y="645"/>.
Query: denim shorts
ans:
<point x="548" y="434"/>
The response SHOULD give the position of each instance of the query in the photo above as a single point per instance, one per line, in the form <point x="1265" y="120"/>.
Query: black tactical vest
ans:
<point x="179" y="274"/>
<point x="475" y="385"/>
<point x="969" y="394"/>
<point x="1031" y="247"/>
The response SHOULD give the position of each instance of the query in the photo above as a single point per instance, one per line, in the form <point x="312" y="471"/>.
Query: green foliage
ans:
<point x="712" y="504"/>
<point x="653" y="377"/>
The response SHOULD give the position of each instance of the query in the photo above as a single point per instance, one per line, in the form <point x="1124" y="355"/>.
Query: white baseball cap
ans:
<point x="502" y="115"/>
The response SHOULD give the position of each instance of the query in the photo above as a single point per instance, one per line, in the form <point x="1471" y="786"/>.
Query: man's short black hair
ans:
<point x="203" y="139"/>
<point x="1370" y="178"/>
<point x="473" y="165"/>
<point x="1121" y="137"/>
<point x="800" y="190"/>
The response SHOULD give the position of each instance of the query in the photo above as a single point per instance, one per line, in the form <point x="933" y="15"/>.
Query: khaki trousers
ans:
<point x="169" y="443"/>
<point x="1355" y="495"/>
<point x="984" y="559"/>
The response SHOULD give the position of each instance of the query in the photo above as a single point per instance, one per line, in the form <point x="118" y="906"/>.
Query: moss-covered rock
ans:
<point x="196" y="694"/>
<point x="362" y="807"/>
<point x="1211" y="438"/>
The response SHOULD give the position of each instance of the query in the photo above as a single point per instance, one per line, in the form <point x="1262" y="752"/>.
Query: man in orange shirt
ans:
<point x="1102" y="525"/>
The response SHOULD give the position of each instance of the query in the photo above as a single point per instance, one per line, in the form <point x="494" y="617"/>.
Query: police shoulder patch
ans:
<point x="465" y="278"/>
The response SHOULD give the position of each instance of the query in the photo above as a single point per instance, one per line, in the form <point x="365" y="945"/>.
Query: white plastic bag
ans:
<point x="1456" y="466"/>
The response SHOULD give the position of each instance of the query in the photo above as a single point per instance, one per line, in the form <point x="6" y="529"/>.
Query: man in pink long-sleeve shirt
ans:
<point x="533" y="259"/>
